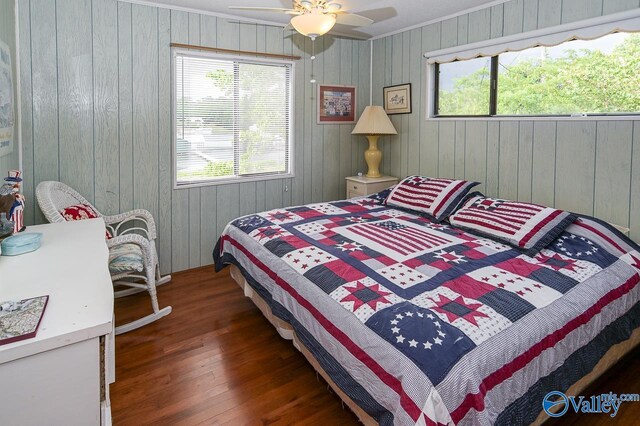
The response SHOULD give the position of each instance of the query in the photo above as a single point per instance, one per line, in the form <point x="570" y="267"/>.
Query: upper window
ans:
<point x="596" y="77"/>
<point x="232" y="119"/>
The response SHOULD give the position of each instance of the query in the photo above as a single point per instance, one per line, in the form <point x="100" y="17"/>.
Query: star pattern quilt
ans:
<point x="424" y="323"/>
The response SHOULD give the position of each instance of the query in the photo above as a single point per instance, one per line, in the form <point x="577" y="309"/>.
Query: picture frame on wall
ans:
<point x="397" y="99"/>
<point x="336" y="104"/>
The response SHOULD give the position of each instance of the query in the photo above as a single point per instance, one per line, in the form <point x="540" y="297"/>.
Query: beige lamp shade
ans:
<point x="374" y="121"/>
<point x="313" y="24"/>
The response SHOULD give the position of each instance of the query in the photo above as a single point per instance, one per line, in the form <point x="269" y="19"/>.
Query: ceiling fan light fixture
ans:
<point x="313" y="24"/>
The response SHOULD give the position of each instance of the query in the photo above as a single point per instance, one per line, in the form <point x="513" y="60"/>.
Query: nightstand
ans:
<point x="359" y="186"/>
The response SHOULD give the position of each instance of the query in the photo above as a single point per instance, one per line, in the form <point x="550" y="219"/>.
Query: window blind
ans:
<point x="232" y="118"/>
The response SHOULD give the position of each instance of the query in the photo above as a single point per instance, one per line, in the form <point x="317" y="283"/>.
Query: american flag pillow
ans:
<point x="434" y="196"/>
<point x="526" y="226"/>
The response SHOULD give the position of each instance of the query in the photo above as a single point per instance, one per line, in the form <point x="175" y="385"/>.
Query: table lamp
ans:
<point x="373" y="122"/>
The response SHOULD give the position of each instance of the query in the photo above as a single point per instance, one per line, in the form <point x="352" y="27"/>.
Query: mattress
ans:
<point x="418" y="322"/>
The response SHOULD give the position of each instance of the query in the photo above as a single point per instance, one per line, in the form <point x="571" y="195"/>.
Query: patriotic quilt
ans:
<point x="424" y="323"/>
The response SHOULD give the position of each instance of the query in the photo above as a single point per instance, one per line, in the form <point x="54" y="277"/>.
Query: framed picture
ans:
<point x="336" y="104"/>
<point x="397" y="99"/>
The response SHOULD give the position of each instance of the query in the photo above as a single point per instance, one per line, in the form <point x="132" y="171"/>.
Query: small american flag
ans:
<point x="400" y="238"/>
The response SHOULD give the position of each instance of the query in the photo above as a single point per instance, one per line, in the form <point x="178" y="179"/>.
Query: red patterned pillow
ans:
<point x="81" y="212"/>
<point x="525" y="226"/>
<point x="435" y="196"/>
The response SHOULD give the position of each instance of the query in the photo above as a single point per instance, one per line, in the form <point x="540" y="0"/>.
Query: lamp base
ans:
<point x="373" y="156"/>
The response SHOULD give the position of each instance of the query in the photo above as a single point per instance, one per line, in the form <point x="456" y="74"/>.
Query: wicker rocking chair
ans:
<point x="131" y="242"/>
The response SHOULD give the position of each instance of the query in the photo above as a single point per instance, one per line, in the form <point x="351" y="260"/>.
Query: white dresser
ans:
<point x="61" y="376"/>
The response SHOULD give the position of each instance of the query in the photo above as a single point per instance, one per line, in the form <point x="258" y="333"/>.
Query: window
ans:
<point x="594" y="77"/>
<point x="232" y="119"/>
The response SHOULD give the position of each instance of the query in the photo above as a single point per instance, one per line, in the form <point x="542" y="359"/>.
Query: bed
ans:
<point x="418" y="322"/>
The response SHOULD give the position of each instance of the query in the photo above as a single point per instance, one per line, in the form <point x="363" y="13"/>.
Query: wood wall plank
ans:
<point x="331" y="148"/>
<point x="44" y="82"/>
<point x="549" y="13"/>
<point x="544" y="163"/>
<point x="530" y="15"/>
<point x="145" y="107"/>
<point x="463" y="29"/>
<point x="345" y="145"/>
<point x="513" y="17"/>
<point x="165" y="142"/>
<point x="446" y="149"/>
<point x="577" y="10"/>
<point x="508" y="160"/>
<point x="208" y="222"/>
<point x="460" y="148"/>
<point x="105" y="106"/>
<point x="525" y="155"/>
<point x="575" y="164"/>
<point x="26" y="106"/>
<point x="476" y="153"/>
<point x="75" y="96"/>
<point x="125" y="106"/>
<point x="493" y="156"/>
<point x="180" y="204"/>
<point x="479" y="25"/>
<point x="414" y="119"/>
<point x="449" y="33"/>
<point x="614" y="140"/>
<point x="613" y="6"/>
<point x="497" y="20"/>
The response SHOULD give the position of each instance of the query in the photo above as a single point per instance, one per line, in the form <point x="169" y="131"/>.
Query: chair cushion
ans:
<point x="81" y="212"/>
<point x="125" y="258"/>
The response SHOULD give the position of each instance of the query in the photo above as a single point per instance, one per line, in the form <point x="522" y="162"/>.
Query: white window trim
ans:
<point x="627" y="21"/>
<point x="231" y="179"/>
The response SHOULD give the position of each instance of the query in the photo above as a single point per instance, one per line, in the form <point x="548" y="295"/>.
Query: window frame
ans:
<point x="235" y="178"/>
<point x="493" y="101"/>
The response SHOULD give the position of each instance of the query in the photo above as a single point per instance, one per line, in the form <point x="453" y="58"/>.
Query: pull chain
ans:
<point x="313" y="57"/>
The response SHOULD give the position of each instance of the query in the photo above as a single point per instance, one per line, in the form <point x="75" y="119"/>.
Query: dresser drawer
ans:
<point x="353" y="194"/>
<point x="356" y="187"/>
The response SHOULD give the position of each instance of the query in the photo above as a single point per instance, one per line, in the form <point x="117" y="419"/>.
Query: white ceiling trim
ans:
<point x="203" y="12"/>
<point x="444" y="18"/>
<point x="281" y="25"/>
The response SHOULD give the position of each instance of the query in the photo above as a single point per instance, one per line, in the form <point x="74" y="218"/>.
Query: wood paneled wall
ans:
<point x="96" y="105"/>
<point x="8" y="36"/>
<point x="587" y="166"/>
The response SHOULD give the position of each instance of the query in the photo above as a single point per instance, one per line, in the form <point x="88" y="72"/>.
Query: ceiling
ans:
<point x="389" y="15"/>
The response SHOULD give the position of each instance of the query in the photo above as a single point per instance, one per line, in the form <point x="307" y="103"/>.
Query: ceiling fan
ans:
<point x="314" y="18"/>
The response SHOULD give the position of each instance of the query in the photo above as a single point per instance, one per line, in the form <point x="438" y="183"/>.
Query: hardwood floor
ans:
<point x="216" y="360"/>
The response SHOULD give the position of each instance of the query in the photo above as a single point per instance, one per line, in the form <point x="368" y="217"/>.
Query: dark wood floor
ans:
<point x="216" y="360"/>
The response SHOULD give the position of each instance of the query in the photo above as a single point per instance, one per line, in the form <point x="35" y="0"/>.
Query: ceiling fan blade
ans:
<point x="353" y="20"/>
<point x="264" y="9"/>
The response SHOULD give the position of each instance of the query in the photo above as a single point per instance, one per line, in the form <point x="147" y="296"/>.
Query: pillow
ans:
<point x="434" y="196"/>
<point x="81" y="212"/>
<point x="525" y="226"/>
